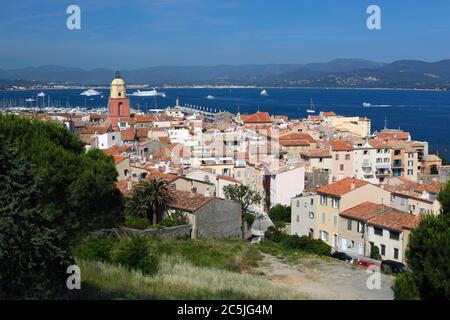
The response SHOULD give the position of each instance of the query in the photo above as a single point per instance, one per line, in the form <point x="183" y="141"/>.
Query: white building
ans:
<point x="285" y="182"/>
<point x="107" y="140"/>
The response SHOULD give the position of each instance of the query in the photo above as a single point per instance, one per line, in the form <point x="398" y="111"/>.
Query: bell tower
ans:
<point x="118" y="105"/>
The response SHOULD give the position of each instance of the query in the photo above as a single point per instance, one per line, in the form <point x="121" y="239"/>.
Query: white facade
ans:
<point x="285" y="184"/>
<point x="390" y="243"/>
<point x="179" y="136"/>
<point x="303" y="210"/>
<point x="107" y="140"/>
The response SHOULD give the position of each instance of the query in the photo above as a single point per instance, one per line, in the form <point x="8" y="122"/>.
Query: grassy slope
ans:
<point x="189" y="269"/>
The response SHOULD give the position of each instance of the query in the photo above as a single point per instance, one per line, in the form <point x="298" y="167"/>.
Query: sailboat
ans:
<point x="264" y="92"/>
<point x="312" y="109"/>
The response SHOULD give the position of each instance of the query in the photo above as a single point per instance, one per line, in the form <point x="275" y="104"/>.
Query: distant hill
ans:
<point x="335" y="73"/>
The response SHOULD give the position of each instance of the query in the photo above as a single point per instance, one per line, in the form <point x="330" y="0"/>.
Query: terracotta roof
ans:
<point x="116" y="150"/>
<point x="231" y="179"/>
<point x="122" y="185"/>
<point x="317" y="153"/>
<point x="155" y="174"/>
<point x="395" y="220"/>
<point x="328" y="114"/>
<point x="294" y="143"/>
<point x="128" y="134"/>
<point x="378" y="143"/>
<point x="188" y="201"/>
<point x="433" y="187"/>
<point x="94" y="130"/>
<point x="340" y="145"/>
<point x="298" y="136"/>
<point x="119" y="159"/>
<point x="396" y="135"/>
<point x="342" y="187"/>
<point x="364" y="211"/>
<point x="259" y="117"/>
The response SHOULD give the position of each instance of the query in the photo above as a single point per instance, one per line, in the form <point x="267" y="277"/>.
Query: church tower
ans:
<point x="118" y="105"/>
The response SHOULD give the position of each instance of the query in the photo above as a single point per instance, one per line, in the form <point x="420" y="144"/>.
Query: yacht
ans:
<point x="366" y="104"/>
<point x="30" y="100"/>
<point x="211" y="97"/>
<point x="312" y="109"/>
<point x="150" y="93"/>
<point x="264" y="92"/>
<point x="90" y="93"/>
<point x="41" y="94"/>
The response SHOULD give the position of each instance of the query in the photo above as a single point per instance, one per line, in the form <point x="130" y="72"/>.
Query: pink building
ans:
<point x="342" y="159"/>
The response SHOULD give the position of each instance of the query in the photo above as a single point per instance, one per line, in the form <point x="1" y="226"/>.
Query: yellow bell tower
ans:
<point x="118" y="88"/>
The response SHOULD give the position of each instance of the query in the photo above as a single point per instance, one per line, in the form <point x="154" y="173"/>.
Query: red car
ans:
<point x="365" y="264"/>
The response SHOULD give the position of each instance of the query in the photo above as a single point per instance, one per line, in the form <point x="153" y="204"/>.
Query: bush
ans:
<point x="405" y="288"/>
<point x="280" y="213"/>
<point x="136" y="254"/>
<point x="303" y="243"/>
<point x="375" y="252"/>
<point x="95" y="249"/>
<point x="135" y="222"/>
<point x="133" y="254"/>
<point x="249" y="218"/>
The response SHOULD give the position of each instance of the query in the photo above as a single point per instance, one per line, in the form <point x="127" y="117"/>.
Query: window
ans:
<point x="379" y="160"/>
<point x="335" y="221"/>
<point x="410" y="163"/>
<point x="386" y="160"/>
<point x="392" y="197"/>
<point x="113" y="137"/>
<point x="238" y="174"/>
<point x="320" y="160"/>
<point x="323" y="235"/>
<point x="298" y="218"/>
<point x="341" y="167"/>
<point x="360" y="227"/>
<point x="366" y="152"/>
<point x="395" y="253"/>
<point x="397" y="152"/>
<point x="323" y="217"/>
<point x="410" y="172"/>
<point x="347" y="157"/>
<point x="383" y="250"/>
<point x="349" y="224"/>
<point x="312" y="201"/>
<point x="337" y="156"/>
<point x="402" y="201"/>
<point x="323" y="200"/>
<point x="394" y="235"/>
<point x="410" y="155"/>
<point x="412" y="207"/>
<point x="336" y="203"/>
<point x="311" y="215"/>
<point x="378" y="231"/>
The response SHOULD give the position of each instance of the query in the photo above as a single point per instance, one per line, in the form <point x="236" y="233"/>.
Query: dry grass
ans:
<point x="176" y="279"/>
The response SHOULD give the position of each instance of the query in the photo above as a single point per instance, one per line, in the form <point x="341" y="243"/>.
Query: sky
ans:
<point x="142" y="33"/>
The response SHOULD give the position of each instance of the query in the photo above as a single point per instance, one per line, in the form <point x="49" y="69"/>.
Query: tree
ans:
<point x="280" y="213"/>
<point x="428" y="257"/>
<point x="375" y="252"/>
<point x="150" y="199"/>
<point x="444" y="198"/>
<point x="434" y="169"/>
<point x="243" y="194"/>
<point x="52" y="193"/>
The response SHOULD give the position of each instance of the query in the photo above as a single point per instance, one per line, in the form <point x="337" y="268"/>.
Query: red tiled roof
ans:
<point x="94" y="130"/>
<point x="340" y="145"/>
<point x="118" y="159"/>
<point x="328" y="114"/>
<point x="400" y="135"/>
<point x="342" y="187"/>
<point x="433" y="187"/>
<point x="155" y="174"/>
<point x="294" y="143"/>
<point x="396" y="220"/>
<point x="188" y="201"/>
<point x="128" y="134"/>
<point x="259" y="117"/>
<point x="364" y="211"/>
<point x="116" y="150"/>
<point x="122" y="185"/>
<point x="298" y="136"/>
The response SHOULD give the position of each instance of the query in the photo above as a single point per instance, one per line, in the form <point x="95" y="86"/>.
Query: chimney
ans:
<point x="352" y="185"/>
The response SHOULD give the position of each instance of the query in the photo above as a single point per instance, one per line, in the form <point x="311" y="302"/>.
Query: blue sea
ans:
<point x="426" y="114"/>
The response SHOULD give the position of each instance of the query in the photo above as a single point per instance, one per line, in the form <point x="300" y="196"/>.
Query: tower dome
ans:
<point x="118" y="87"/>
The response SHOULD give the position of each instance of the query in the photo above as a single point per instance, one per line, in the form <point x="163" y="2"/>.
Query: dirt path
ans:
<point x="325" y="278"/>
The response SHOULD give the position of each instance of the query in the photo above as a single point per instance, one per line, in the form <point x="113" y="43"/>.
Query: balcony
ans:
<point x="382" y="166"/>
<point x="382" y="173"/>
<point x="397" y="164"/>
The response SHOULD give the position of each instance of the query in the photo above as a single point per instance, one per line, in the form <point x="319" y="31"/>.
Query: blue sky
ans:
<point x="141" y="33"/>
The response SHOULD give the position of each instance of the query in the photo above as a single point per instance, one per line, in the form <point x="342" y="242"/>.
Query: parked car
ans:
<point x="255" y="239"/>
<point x="392" y="266"/>
<point x="343" y="256"/>
<point x="365" y="264"/>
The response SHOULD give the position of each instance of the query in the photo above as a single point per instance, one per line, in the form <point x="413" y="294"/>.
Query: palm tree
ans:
<point x="150" y="199"/>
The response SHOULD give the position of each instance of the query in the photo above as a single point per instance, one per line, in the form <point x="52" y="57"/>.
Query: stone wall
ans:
<point x="443" y="176"/>
<point x="177" y="232"/>
<point x="316" y="178"/>
<point x="219" y="219"/>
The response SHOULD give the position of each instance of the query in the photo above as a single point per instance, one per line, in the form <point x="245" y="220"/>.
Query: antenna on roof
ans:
<point x="385" y="122"/>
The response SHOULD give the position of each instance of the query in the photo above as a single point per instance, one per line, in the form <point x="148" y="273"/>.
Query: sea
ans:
<point x="424" y="113"/>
